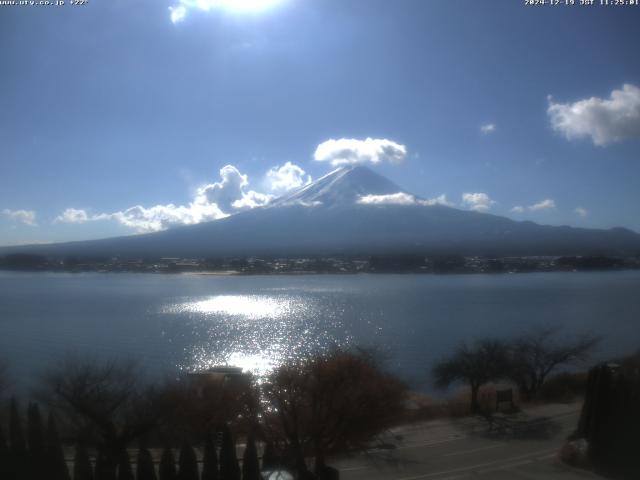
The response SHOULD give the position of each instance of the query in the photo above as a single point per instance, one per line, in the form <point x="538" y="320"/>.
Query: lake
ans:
<point x="186" y="322"/>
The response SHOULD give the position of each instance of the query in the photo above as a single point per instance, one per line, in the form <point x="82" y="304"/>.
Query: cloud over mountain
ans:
<point x="402" y="198"/>
<point x="350" y="151"/>
<point x="604" y="120"/>
<point x="287" y="177"/>
<point x="546" y="204"/>
<point x="480" y="202"/>
<point x="28" y="217"/>
<point x="211" y="202"/>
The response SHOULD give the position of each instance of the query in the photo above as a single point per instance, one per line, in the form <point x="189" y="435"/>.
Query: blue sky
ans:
<point x="116" y="118"/>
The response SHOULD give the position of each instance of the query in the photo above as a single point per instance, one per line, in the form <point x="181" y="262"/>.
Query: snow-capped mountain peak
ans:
<point x="340" y="187"/>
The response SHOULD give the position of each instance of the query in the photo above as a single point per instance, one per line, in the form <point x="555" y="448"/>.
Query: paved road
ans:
<point x="522" y="446"/>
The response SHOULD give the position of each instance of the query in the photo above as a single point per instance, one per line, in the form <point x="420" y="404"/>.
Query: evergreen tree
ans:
<point x="250" y="464"/>
<point x="125" y="472"/>
<point x="4" y="456"/>
<point x="36" y="441"/>
<point x="188" y="463"/>
<point x="145" y="469"/>
<point x="56" y="464"/>
<point x="270" y="457"/>
<point x="81" y="464"/>
<point x="229" y="468"/>
<point x="104" y="469"/>
<point x="167" y="466"/>
<point x="210" y="460"/>
<point x="18" y="464"/>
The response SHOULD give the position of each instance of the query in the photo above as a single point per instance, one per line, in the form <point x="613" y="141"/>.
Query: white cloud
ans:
<point x="28" y="217"/>
<point x="480" y="202"/>
<point x="179" y="10"/>
<point x="604" y="120"/>
<point x="287" y="177"/>
<point x="545" y="204"/>
<point x="161" y="217"/>
<point x="583" y="212"/>
<point x="488" y="128"/>
<point x="229" y="194"/>
<point x="72" y="215"/>
<point x="401" y="198"/>
<point x="439" y="200"/>
<point x="350" y="151"/>
<point x="211" y="202"/>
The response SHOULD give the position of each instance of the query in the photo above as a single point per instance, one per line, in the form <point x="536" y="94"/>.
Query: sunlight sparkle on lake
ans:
<point x="251" y="307"/>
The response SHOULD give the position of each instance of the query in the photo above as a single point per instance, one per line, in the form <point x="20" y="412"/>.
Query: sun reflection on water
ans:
<point x="247" y="306"/>
<point x="255" y="332"/>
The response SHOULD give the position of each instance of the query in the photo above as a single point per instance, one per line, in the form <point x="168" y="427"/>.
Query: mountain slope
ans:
<point x="325" y="218"/>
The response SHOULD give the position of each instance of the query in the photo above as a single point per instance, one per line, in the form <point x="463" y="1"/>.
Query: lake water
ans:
<point x="194" y="321"/>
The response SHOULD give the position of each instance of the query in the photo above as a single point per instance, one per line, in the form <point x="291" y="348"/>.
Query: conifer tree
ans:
<point x="229" y="468"/>
<point x="250" y="464"/>
<point x="125" y="472"/>
<point x="270" y="457"/>
<point x="18" y="464"/>
<point x="36" y="441"/>
<point x="188" y="463"/>
<point x="145" y="469"/>
<point x="56" y="464"/>
<point x="4" y="456"/>
<point x="167" y="466"/>
<point x="81" y="464"/>
<point x="210" y="460"/>
<point x="104" y="469"/>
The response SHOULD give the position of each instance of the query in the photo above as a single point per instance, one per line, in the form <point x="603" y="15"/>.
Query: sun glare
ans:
<point x="182" y="7"/>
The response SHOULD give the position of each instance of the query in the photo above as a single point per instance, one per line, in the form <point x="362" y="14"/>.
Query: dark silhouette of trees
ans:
<point x="333" y="402"/>
<point x="36" y="441"/>
<point x="81" y="464"/>
<point x="210" y="460"/>
<point x="229" y="468"/>
<point x="187" y="463"/>
<point x="167" y="470"/>
<point x="56" y="464"/>
<point x="105" y="470"/>
<point x="145" y="469"/>
<point x="250" y="463"/>
<point x="125" y="472"/>
<point x="105" y="400"/>
<point x="198" y="403"/>
<point x="270" y="460"/>
<point x="18" y="454"/>
<point x="4" y="456"/>
<point x="535" y="355"/>
<point x="487" y="360"/>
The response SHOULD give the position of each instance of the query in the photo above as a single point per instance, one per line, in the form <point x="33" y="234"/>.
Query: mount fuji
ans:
<point x="354" y="210"/>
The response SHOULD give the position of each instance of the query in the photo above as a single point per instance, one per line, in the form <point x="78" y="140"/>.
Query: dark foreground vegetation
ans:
<point x="185" y="428"/>
<point x="607" y="434"/>
<point x="103" y="421"/>
<point x="319" y="265"/>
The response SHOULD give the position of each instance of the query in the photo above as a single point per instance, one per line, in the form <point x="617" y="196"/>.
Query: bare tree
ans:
<point x="106" y="402"/>
<point x="485" y="361"/>
<point x="535" y="355"/>
<point x="330" y="403"/>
